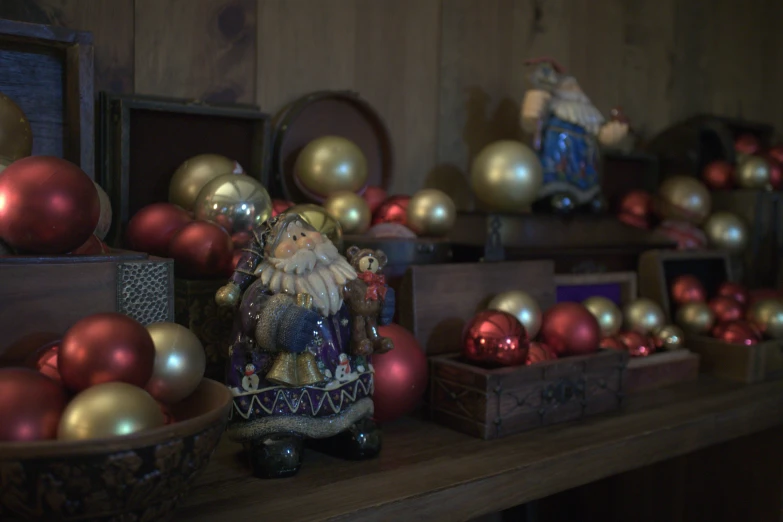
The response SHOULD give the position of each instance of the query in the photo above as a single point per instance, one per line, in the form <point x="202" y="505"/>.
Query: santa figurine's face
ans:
<point x="296" y="237"/>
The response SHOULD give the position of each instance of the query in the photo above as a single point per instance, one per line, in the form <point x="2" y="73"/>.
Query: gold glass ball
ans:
<point x="350" y="210"/>
<point x="669" y="337"/>
<point x="752" y="172"/>
<point x="431" y="213"/>
<point x="522" y="306"/>
<point x="193" y="174"/>
<point x="767" y="315"/>
<point x="104" y="221"/>
<point x="695" y="318"/>
<point x="330" y="164"/>
<point x="606" y="312"/>
<point x="643" y="316"/>
<point x="726" y="231"/>
<point x="683" y="198"/>
<point x="506" y="176"/>
<point x="318" y="218"/>
<point x="16" y="137"/>
<point x="180" y="362"/>
<point x="109" y="410"/>
<point x="238" y="203"/>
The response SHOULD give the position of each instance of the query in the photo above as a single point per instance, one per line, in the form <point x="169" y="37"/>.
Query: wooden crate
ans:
<point x="48" y="72"/>
<point x="642" y="373"/>
<point x="435" y="303"/>
<point x="658" y="269"/>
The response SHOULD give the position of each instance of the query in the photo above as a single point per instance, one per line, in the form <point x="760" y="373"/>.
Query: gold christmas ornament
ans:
<point x="193" y="174"/>
<point x="330" y="164"/>
<point x="767" y="315"/>
<point x="752" y="172"/>
<point x="109" y="410"/>
<point x="726" y="231"/>
<point x="608" y="314"/>
<point x="643" y="316"/>
<point x="431" y="213"/>
<point x="104" y="221"/>
<point x="180" y="362"/>
<point x="238" y="203"/>
<point x="16" y="137"/>
<point x="350" y="210"/>
<point x="683" y="198"/>
<point x="669" y="337"/>
<point x="320" y="220"/>
<point x="522" y="306"/>
<point x="506" y="176"/>
<point x="695" y="317"/>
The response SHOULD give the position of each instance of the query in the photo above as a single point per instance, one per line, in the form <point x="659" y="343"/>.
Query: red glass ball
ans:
<point x="570" y="329"/>
<point x="739" y="332"/>
<point x="539" y="352"/>
<point x="636" y="209"/>
<point x="776" y="153"/>
<point x="150" y="230"/>
<point x="47" y="205"/>
<point x="688" y="289"/>
<point x="30" y="405"/>
<point x="92" y="247"/>
<point x="374" y="196"/>
<point x="734" y="290"/>
<point x="611" y="343"/>
<point x="747" y="144"/>
<point x="393" y="210"/>
<point x="279" y="206"/>
<point x="107" y="347"/>
<point x="718" y="175"/>
<point x="775" y="172"/>
<point x="687" y="236"/>
<point x="400" y="375"/>
<point x="241" y="239"/>
<point x="495" y="337"/>
<point x="726" y="309"/>
<point x="201" y="250"/>
<point x="637" y="345"/>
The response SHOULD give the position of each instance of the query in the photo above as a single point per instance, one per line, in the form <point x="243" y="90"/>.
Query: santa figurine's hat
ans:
<point x="559" y="69"/>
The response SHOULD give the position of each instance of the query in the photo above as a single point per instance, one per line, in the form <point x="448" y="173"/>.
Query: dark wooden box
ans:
<point x="438" y="300"/>
<point x="642" y="373"/>
<point x="48" y="72"/>
<point x="658" y="269"/>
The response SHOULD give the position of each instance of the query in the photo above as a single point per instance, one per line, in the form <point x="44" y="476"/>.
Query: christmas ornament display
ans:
<point x="767" y="315"/>
<point x="280" y="205"/>
<point x="330" y="164"/>
<point x="608" y="314"/>
<point x="431" y="213"/>
<point x="30" y="405"/>
<point x="180" y="362"/>
<point x="201" y="249"/>
<point x="669" y="338"/>
<point x="238" y="203"/>
<point x="726" y="309"/>
<point x="350" y="210"/>
<point x="747" y="144"/>
<point x="738" y="332"/>
<point x="636" y="344"/>
<point x="636" y="209"/>
<point x="194" y="173"/>
<point x="718" y="175"/>
<point x="506" y="176"/>
<point x="643" y="316"/>
<point x="318" y="218"/>
<point x="47" y="205"/>
<point x="495" y="337"/>
<point x="726" y="231"/>
<point x="105" y="216"/>
<point x="686" y="289"/>
<point x="570" y="329"/>
<point x="539" y="352"/>
<point x="374" y="196"/>
<point x="106" y="347"/>
<point x="734" y="290"/>
<point x="109" y="410"/>
<point x="400" y="375"/>
<point x="150" y="230"/>
<point x="393" y="210"/>
<point x="686" y="235"/>
<point x="695" y="317"/>
<point x="521" y="305"/>
<point x="752" y="172"/>
<point x="16" y="137"/>
<point x="683" y="198"/>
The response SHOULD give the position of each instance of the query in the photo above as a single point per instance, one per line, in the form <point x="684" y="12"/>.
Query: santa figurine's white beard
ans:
<point x="576" y="107"/>
<point x="321" y="273"/>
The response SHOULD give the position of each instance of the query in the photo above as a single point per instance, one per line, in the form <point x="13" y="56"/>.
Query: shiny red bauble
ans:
<point x="686" y="235"/>
<point x="747" y="144"/>
<point x="734" y="290"/>
<point x="636" y="209"/>
<point x="47" y="205"/>
<point x="739" y="332"/>
<point x="279" y="206"/>
<point x="636" y="344"/>
<point x="241" y="239"/>
<point x="570" y="329"/>
<point x="495" y="337"/>
<point x="107" y="347"/>
<point x="539" y="352"/>
<point x="718" y="175"/>
<point x="30" y="405"/>
<point x="400" y="375"/>
<point x="726" y="309"/>
<point x="46" y="360"/>
<point x="687" y="289"/>
<point x="775" y="173"/>
<point x="150" y="230"/>
<point x="611" y="343"/>
<point x="374" y="196"/>
<point x="92" y="247"/>
<point x="776" y="153"/>
<point x="201" y="250"/>
<point x="393" y="210"/>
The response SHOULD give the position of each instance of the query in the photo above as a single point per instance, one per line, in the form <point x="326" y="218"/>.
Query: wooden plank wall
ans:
<point x="447" y="75"/>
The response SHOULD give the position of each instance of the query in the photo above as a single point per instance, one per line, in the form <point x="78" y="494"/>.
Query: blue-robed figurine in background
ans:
<point x="567" y="130"/>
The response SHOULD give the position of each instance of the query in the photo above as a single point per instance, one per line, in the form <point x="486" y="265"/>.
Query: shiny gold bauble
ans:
<point x="752" y="172"/>
<point x="109" y="410"/>
<point x="238" y="203"/>
<point x="318" y="218"/>
<point x="521" y="305"/>
<point x="606" y="312"/>
<point x="330" y="164"/>
<point x="193" y="174"/>
<point x="695" y="317"/>
<point x="683" y="198"/>
<point x="16" y="137"/>
<point x="669" y="337"/>
<point x="180" y="362"/>
<point x="767" y="315"/>
<point x="726" y="231"/>
<point x="643" y="316"/>
<point x="506" y="176"/>
<point x="350" y="210"/>
<point x="431" y="213"/>
<point x="104" y="221"/>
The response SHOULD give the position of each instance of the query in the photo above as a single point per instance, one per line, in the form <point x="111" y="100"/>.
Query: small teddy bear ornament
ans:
<point x="364" y="297"/>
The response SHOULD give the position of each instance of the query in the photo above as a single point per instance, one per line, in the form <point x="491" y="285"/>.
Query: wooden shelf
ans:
<point x="427" y="472"/>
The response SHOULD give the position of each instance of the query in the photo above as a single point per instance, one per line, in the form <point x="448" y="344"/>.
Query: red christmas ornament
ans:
<point x="393" y="210"/>
<point x="400" y="375"/>
<point x="688" y="289"/>
<point x="718" y="175"/>
<point x="718" y="329"/>
<point x="776" y="153"/>
<point x="241" y="239"/>
<point x="279" y="206"/>
<point x="637" y="344"/>
<point x="47" y="205"/>
<point x="45" y="360"/>
<point x="570" y="329"/>
<point x="106" y="347"/>
<point x="539" y="352"/>
<point x="92" y="247"/>
<point x="747" y="144"/>
<point x="636" y="209"/>
<point x="726" y="309"/>
<point x="374" y="196"/>
<point x="167" y="416"/>
<point x="739" y="332"/>
<point x="201" y="250"/>
<point x="495" y="337"/>
<point x="687" y="236"/>
<point x="150" y="230"/>
<point x="775" y="172"/>
<point x="30" y="405"/>
<point x="734" y="290"/>
<point x="611" y="343"/>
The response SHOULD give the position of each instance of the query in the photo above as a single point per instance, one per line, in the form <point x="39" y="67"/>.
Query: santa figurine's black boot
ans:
<point x="275" y="456"/>
<point x="359" y="442"/>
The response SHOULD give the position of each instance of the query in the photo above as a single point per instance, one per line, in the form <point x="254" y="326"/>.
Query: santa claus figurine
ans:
<point x="294" y="329"/>
<point x="567" y="129"/>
